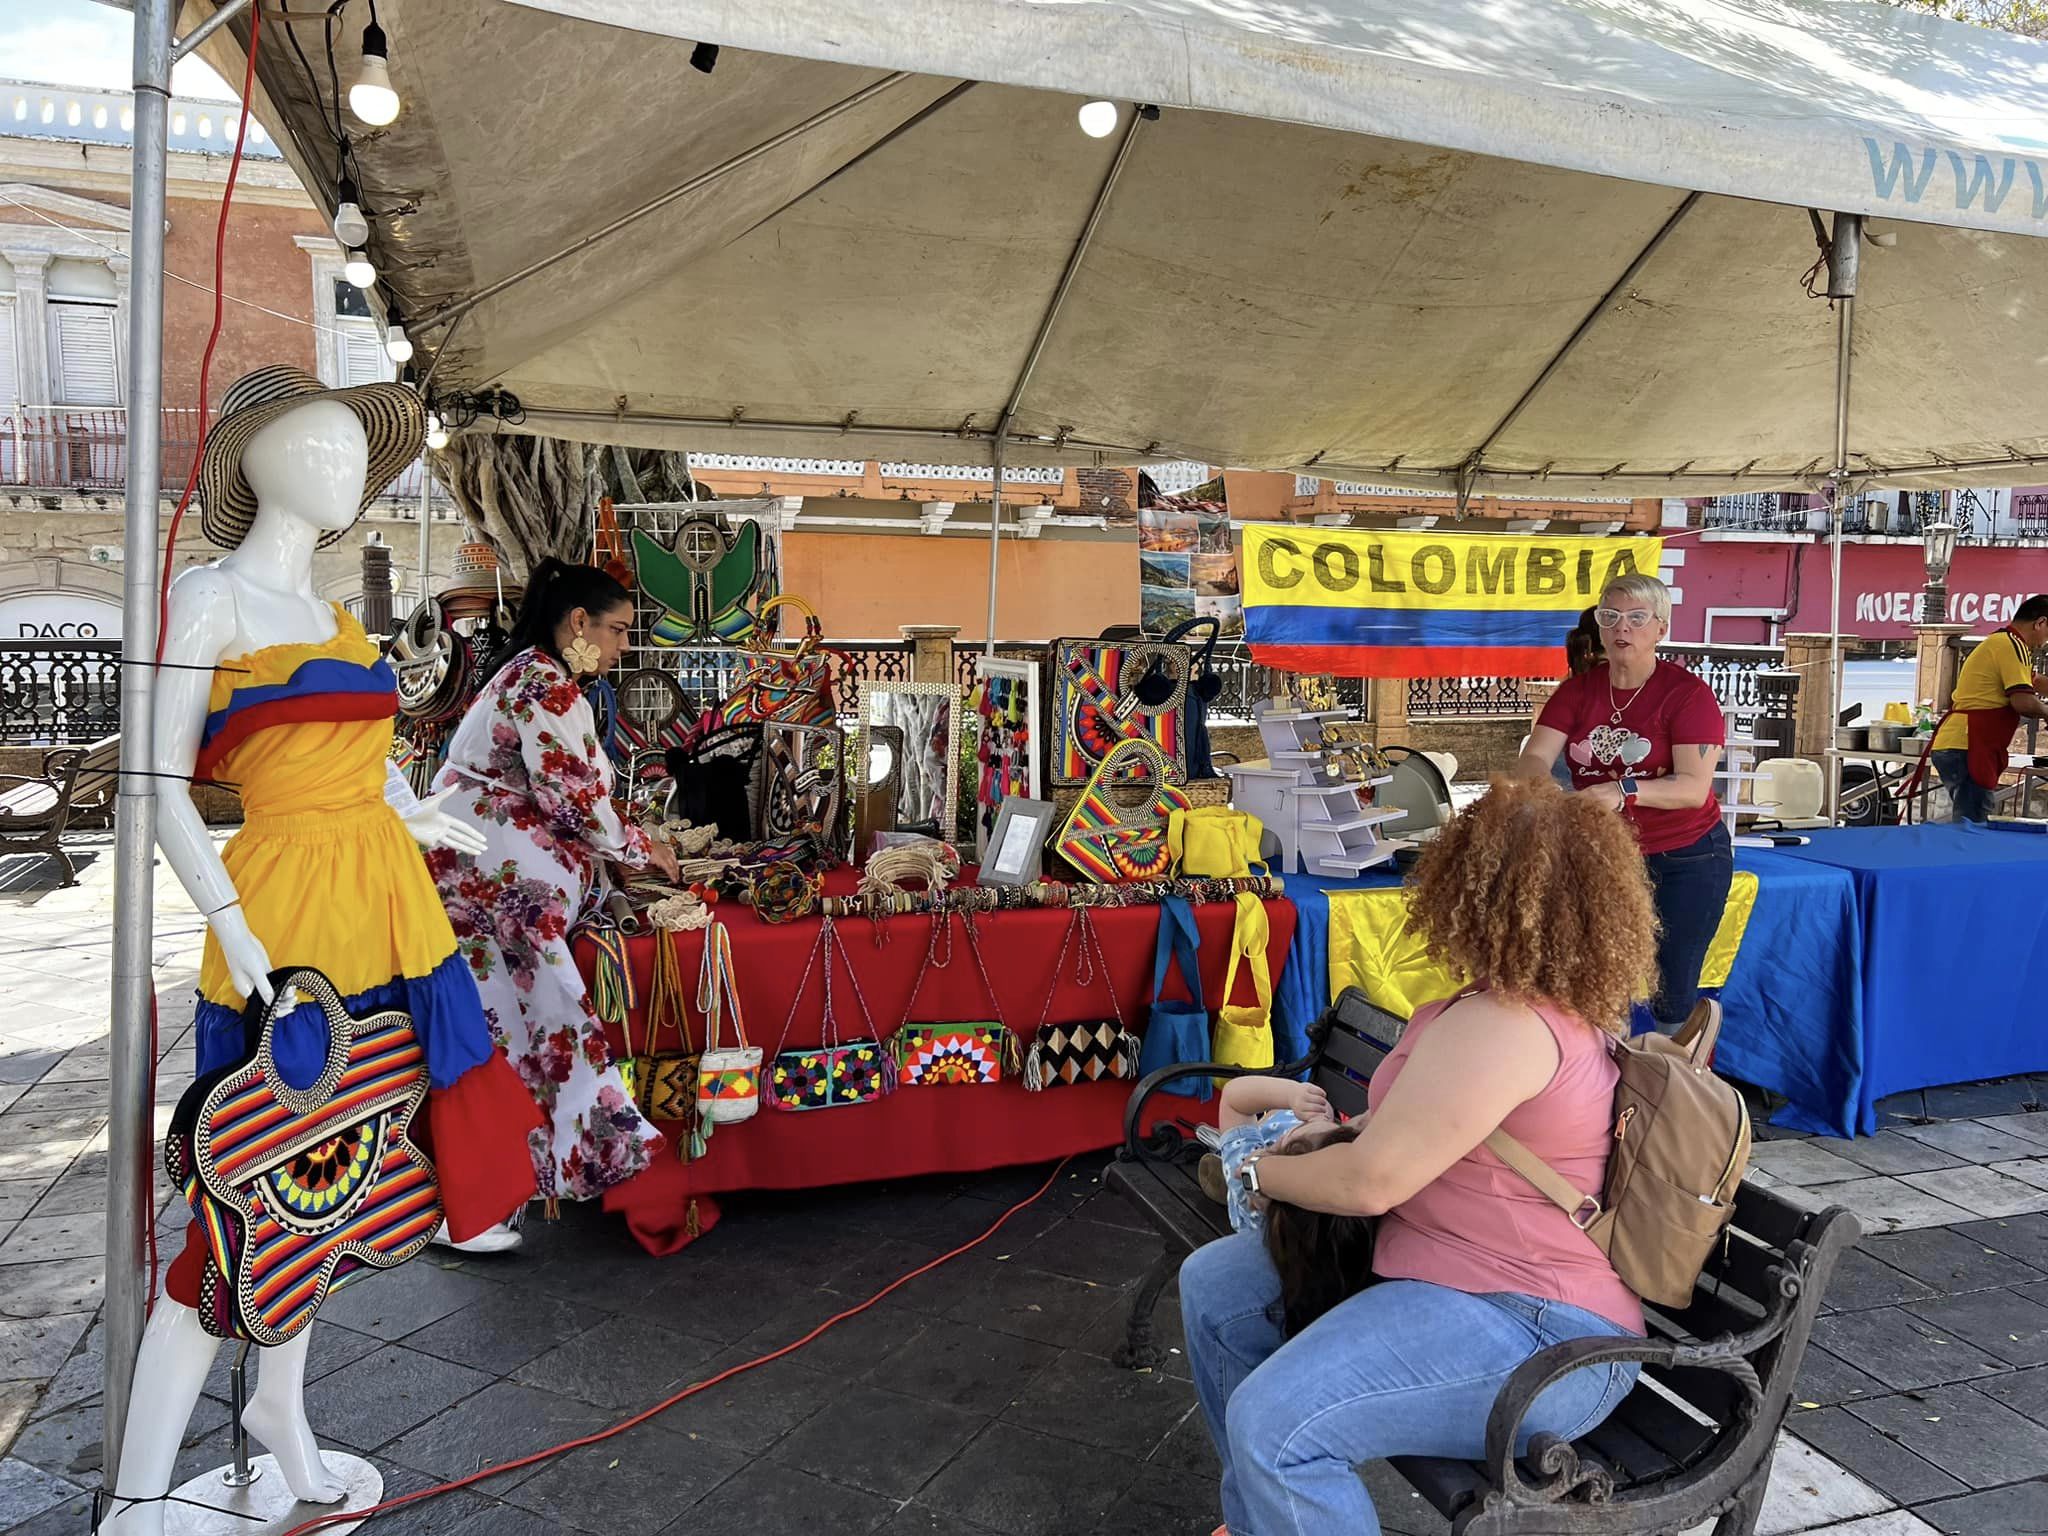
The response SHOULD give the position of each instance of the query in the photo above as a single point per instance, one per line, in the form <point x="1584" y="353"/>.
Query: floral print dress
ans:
<point x="533" y="778"/>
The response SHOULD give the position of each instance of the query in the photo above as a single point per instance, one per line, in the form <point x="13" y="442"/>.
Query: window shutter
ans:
<point x="10" y="376"/>
<point x="84" y="364"/>
<point x="363" y="360"/>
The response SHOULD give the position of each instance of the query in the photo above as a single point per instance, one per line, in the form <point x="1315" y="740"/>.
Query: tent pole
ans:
<point x="129" y="1165"/>
<point x="1845" y="252"/>
<point x="995" y="542"/>
<point x="426" y="530"/>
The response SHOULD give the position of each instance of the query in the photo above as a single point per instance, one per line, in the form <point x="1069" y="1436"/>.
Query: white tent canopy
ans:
<point x="1359" y="238"/>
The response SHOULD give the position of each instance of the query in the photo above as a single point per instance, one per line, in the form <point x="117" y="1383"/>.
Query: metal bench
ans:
<point x="36" y="810"/>
<point x="1692" y="1444"/>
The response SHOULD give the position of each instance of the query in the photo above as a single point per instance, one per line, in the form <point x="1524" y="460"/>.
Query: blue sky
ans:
<point x="84" y="43"/>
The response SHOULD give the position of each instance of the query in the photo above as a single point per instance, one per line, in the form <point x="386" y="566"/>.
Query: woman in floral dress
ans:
<point x="532" y="776"/>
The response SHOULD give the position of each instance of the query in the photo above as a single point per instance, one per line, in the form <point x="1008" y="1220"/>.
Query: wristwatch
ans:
<point x="1248" y="1176"/>
<point x="1628" y="792"/>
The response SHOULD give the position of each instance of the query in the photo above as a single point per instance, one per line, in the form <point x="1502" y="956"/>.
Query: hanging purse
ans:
<point x="1085" y="1052"/>
<point x="1177" y="1033"/>
<point x="803" y="781"/>
<point x="1107" y="692"/>
<point x="1244" y="1033"/>
<point x="834" y="1073"/>
<point x="298" y="1191"/>
<point x="1205" y="683"/>
<point x="664" y="1083"/>
<point x="702" y="578"/>
<point x="931" y="1054"/>
<point x="728" y="1076"/>
<point x="1108" y="841"/>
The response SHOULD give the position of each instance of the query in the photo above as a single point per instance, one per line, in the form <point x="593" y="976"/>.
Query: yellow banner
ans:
<point x="1300" y="566"/>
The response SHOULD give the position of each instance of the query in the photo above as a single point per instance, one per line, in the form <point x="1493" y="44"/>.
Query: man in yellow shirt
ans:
<point x="1994" y="689"/>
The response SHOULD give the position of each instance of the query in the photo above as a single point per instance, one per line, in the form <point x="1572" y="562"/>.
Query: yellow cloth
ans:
<point x="327" y="874"/>
<point x="1375" y="947"/>
<point x="1989" y="673"/>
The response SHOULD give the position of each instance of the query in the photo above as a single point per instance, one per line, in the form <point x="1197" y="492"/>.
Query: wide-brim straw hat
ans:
<point x="392" y="416"/>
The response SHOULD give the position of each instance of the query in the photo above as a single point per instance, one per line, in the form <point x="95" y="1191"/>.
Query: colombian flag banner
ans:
<point x="1378" y="603"/>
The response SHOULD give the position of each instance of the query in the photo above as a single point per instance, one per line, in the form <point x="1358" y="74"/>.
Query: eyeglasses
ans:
<point x="1614" y="618"/>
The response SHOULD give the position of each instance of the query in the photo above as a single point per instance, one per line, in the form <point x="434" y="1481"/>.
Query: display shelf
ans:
<point x="1294" y="801"/>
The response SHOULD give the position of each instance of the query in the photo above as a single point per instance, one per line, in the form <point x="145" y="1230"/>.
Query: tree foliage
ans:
<point x="2029" y="18"/>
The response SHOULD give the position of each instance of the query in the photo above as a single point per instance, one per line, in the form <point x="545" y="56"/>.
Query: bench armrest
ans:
<point x="60" y="761"/>
<point x="1556" y="1460"/>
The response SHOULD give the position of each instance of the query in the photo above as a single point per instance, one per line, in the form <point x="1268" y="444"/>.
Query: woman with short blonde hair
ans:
<point x="1540" y="897"/>
<point x="1642" y="737"/>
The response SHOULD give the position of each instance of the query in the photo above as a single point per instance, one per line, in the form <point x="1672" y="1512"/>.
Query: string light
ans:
<point x="437" y="431"/>
<point x="1099" y="119"/>
<point x="350" y="227"/>
<point x="397" y="345"/>
<point x="358" y="269"/>
<point x="372" y="98"/>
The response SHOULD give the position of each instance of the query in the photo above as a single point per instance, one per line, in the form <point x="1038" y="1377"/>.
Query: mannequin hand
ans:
<point x="248" y="961"/>
<point x="433" y="827"/>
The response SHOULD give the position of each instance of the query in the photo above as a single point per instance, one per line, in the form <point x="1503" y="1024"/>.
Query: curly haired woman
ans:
<point x="1540" y="896"/>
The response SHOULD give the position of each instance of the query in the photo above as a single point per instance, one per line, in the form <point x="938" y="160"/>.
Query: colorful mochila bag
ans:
<point x="298" y="1191"/>
<point x="931" y="1054"/>
<point x="834" y="1073"/>
<point x="664" y="1083"/>
<point x="1083" y="1052"/>
<point x="1109" y="841"/>
<point x="728" y="1076"/>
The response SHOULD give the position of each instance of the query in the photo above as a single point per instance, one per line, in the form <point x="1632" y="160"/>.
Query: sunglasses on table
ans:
<point x="1614" y="618"/>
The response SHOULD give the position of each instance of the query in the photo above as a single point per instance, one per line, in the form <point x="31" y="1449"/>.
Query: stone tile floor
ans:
<point x="977" y="1399"/>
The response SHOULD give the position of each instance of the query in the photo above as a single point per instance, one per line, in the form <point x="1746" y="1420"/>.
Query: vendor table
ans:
<point x="914" y="1130"/>
<point x="1931" y="979"/>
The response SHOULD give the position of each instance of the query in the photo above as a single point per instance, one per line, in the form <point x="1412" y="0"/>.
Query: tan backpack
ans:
<point x="1681" y="1147"/>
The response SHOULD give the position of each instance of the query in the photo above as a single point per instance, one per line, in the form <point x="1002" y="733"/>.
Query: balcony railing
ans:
<point x="85" y="448"/>
<point x="55" y="694"/>
<point x="1761" y="512"/>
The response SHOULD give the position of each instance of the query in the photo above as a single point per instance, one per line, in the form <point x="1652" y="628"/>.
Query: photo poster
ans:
<point x="1187" y="569"/>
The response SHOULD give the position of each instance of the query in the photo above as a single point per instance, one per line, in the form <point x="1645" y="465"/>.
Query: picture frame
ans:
<point x="1017" y="845"/>
<point x="1008" y="746"/>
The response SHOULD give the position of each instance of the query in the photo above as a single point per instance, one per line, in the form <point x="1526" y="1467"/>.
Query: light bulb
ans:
<point x="350" y="227"/>
<point x="372" y="98"/>
<point x="437" y="431"/>
<point x="1098" y="119"/>
<point x="358" y="270"/>
<point x="398" y="345"/>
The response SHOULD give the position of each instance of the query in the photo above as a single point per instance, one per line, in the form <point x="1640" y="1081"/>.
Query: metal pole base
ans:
<point x="266" y="1506"/>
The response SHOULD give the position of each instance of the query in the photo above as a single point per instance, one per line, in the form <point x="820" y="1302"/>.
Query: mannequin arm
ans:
<point x="201" y="627"/>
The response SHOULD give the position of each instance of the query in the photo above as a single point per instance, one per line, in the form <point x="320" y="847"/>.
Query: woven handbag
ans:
<point x="1108" y="841"/>
<point x="664" y="1083"/>
<point x="836" y="1072"/>
<point x="1083" y="1052"/>
<point x="928" y="1055"/>
<point x="728" y="1076"/>
<point x="1096" y="705"/>
<point x="794" y="688"/>
<point x="297" y="1191"/>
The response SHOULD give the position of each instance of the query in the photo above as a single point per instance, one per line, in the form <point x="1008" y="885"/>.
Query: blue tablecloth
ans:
<point x="1950" y="938"/>
<point x="1304" y="989"/>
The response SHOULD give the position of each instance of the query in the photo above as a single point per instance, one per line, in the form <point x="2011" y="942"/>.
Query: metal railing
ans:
<point x="59" y="693"/>
<point x="1471" y="698"/>
<point x="1760" y="512"/>
<point x="85" y="448"/>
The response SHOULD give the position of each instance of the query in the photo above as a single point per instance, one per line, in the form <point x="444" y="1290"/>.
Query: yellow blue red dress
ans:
<point x="329" y="877"/>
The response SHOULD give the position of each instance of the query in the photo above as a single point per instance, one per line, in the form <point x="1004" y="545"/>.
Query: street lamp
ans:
<point x="1938" y="550"/>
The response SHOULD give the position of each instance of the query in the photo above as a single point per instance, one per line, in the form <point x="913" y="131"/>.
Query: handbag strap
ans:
<point x="1178" y="938"/>
<point x="1207" y="654"/>
<point x="995" y="1003"/>
<point x="831" y="940"/>
<point x="942" y="922"/>
<point x="716" y="993"/>
<point x="1249" y="938"/>
<point x="666" y="1004"/>
<point x="1089" y="965"/>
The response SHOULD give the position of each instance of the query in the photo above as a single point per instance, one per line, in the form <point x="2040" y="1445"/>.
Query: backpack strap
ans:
<point x="1583" y="1209"/>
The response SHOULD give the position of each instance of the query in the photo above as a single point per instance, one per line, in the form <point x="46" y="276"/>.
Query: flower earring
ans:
<point x="582" y="657"/>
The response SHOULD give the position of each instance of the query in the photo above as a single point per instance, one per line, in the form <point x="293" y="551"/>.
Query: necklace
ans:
<point x="1616" y="710"/>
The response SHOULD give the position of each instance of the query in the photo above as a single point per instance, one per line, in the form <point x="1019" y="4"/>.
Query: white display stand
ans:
<point x="215" y="1503"/>
<point x="1321" y="828"/>
<point x="1738" y="767"/>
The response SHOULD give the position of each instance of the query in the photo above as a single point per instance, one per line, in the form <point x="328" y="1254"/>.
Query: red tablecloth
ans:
<point x="914" y="1130"/>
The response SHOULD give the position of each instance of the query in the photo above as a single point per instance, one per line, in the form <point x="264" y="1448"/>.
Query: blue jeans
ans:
<point x="1401" y="1369"/>
<point x="1691" y="889"/>
<point x="1972" y="800"/>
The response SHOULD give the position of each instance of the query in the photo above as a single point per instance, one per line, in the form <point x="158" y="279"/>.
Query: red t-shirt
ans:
<point x="1673" y="707"/>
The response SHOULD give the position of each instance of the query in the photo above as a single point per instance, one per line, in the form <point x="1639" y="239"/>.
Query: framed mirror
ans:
<point x="1007" y="753"/>
<point x="909" y="744"/>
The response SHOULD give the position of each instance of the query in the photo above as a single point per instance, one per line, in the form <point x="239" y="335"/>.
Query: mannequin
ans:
<point x="307" y="468"/>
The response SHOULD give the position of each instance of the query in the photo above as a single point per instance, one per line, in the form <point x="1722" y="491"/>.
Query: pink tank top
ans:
<point x="1480" y="1226"/>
